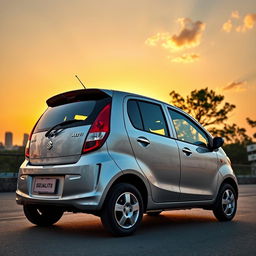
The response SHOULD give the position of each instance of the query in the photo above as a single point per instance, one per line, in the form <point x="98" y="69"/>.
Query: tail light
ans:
<point x="99" y="130"/>
<point x="28" y="143"/>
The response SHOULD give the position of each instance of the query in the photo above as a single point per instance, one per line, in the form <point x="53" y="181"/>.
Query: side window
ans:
<point x="153" y="118"/>
<point x="186" y="130"/>
<point x="134" y="114"/>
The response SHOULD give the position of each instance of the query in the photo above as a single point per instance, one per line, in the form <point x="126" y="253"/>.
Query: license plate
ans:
<point x="44" y="185"/>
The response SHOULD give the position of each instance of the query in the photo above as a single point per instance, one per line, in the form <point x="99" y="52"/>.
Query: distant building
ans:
<point x="1" y="146"/>
<point x="8" y="140"/>
<point x="25" y="139"/>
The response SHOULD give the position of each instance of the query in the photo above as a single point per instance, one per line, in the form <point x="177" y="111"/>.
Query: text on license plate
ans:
<point x="44" y="185"/>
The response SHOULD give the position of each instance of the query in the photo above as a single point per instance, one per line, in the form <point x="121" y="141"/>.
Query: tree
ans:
<point x="252" y="123"/>
<point x="237" y="153"/>
<point x="208" y="108"/>
<point x="233" y="134"/>
<point x="204" y="106"/>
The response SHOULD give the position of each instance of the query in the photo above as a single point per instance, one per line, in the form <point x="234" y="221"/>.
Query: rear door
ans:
<point x="156" y="153"/>
<point x="64" y="144"/>
<point x="199" y="172"/>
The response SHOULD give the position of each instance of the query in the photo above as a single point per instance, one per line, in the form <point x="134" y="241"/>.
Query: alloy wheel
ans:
<point x="228" y="202"/>
<point x="126" y="210"/>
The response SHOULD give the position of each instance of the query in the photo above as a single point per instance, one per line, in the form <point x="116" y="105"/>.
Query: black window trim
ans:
<point x="154" y="103"/>
<point x="139" y="114"/>
<point x="192" y="121"/>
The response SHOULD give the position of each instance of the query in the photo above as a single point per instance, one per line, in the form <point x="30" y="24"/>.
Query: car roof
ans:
<point x="107" y="92"/>
<point x="110" y="93"/>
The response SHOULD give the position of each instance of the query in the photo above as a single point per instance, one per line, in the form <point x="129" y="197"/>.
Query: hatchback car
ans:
<point x="119" y="155"/>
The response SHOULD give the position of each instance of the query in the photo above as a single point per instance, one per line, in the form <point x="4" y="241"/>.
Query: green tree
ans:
<point x="208" y="108"/>
<point x="252" y="123"/>
<point x="233" y="134"/>
<point x="237" y="153"/>
<point x="204" y="105"/>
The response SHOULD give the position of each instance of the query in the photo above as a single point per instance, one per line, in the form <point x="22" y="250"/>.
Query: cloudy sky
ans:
<point x="148" y="47"/>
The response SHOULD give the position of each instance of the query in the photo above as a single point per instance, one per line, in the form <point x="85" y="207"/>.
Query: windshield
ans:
<point x="85" y="111"/>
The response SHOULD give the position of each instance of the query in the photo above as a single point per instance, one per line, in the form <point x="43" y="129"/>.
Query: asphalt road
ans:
<point x="189" y="232"/>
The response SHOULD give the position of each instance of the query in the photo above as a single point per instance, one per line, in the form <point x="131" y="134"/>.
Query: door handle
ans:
<point x="187" y="151"/>
<point x="145" y="142"/>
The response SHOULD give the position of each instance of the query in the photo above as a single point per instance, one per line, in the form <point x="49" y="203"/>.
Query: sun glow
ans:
<point x="151" y="52"/>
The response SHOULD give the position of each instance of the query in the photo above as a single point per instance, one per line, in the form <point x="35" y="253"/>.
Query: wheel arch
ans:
<point x="232" y="182"/>
<point x="136" y="181"/>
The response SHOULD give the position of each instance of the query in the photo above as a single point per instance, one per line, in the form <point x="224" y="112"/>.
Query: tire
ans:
<point x="226" y="203"/>
<point x="42" y="215"/>
<point x="123" y="210"/>
<point x="154" y="214"/>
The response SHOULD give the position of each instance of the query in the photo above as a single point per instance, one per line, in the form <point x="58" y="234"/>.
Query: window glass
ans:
<point x="153" y="118"/>
<point x="134" y="114"/>
<point x="187" y="131"/>
<point x="85" y="111"/>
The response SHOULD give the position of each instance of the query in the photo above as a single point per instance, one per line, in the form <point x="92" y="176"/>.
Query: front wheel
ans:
<point x="123" y="210"/>
<point x="42" y="215"/>
<point x="226" y="203"/>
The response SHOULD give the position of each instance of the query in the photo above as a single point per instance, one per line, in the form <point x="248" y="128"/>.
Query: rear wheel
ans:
<point x="226" y="203"/>
<point x="42" y="215"/>
<point x="123" y="210"/>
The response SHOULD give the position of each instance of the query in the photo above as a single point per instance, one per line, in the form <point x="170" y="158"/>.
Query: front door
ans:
<point x="199" y="172"/>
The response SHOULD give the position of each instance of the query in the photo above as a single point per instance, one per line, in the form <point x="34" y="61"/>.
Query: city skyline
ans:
<point x="8" y="141"/>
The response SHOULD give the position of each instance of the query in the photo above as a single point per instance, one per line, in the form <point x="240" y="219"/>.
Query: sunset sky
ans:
<point x="148" y="47"/>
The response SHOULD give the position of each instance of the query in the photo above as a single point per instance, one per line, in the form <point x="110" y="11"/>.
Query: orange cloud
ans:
<point x="235" y="85"/>
<point x="159" y="38"/>
<point x="235" y="15"/>
<point x="249" y="22"/>
<point x="189" y="36"/>
<point x="186" y="58"/>
<point x="227" y="26"/>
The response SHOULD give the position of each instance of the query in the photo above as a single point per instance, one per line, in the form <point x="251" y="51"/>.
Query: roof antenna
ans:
<point x="80" y="81"/>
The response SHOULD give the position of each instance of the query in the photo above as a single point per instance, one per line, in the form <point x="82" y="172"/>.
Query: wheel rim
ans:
<point x="127" y="210"/>
<point x="228" y="202"/>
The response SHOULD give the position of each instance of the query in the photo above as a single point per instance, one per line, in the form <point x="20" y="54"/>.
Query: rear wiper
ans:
<point x="60" y="125"/>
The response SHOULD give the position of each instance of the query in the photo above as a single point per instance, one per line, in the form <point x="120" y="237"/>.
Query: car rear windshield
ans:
<point x="85" y="111"/>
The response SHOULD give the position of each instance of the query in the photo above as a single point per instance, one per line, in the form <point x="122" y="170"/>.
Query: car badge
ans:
<point x="77" y="134"/>
<point x="49" y="145"/>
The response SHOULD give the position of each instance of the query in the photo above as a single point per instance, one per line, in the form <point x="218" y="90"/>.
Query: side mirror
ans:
<point x="217" y="142"/>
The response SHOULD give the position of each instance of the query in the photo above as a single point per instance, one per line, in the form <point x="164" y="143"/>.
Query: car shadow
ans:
<point x="91" y="227"/>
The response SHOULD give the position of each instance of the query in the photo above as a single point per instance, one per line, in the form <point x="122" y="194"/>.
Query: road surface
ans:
<point x="186" y="232"/>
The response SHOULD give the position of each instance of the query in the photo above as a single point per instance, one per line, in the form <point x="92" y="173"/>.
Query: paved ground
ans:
<point x="190" y="232"/>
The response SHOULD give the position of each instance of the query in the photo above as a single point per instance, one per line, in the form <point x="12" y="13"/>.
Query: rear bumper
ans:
<point x="83" y="202"/>
<point x="82" y="185"/>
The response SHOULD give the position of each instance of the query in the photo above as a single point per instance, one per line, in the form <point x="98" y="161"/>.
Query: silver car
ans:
<point x="119" y="155"/>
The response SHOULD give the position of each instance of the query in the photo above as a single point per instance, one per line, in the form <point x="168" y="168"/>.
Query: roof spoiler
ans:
<point x="78" y="95"/>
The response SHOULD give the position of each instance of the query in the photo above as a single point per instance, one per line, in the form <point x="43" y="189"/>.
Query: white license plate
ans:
<point x="44" y="185"/>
